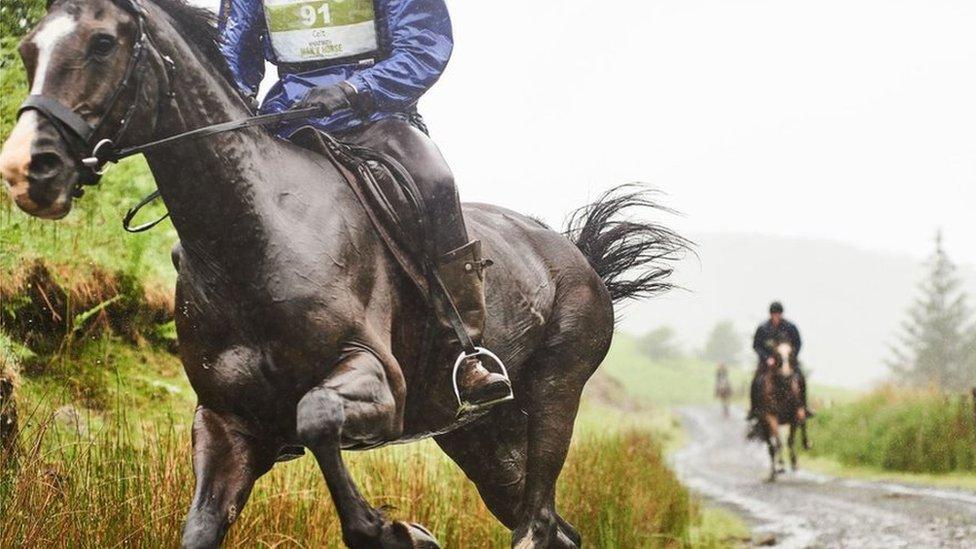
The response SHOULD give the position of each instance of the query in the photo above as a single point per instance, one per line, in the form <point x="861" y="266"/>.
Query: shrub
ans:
<point x="900" y="430"/>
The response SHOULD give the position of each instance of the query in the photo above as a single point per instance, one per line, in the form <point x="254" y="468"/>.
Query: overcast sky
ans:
<point x="852" y="120"/>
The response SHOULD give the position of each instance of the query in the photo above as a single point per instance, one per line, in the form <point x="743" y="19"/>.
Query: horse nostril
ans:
<point x="45" y="164"/>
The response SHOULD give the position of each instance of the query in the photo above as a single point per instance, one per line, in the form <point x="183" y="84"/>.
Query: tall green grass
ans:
<point x="900" y="430"/>
<point x="129" y="484"/>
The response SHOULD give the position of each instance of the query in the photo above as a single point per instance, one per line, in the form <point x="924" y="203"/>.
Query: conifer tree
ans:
<point x="936" y="341"/>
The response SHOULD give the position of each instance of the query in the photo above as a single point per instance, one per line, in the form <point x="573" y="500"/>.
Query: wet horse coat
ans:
<point x="295" y="324"/>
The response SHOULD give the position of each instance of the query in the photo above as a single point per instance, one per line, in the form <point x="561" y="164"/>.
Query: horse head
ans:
<point x="94" y="77"/>
<point x="784" y="352"/>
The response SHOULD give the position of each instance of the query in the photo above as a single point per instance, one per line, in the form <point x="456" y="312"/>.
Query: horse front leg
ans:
<point x="356" y="405"/>
<point x="227" y="460"/>
<point x="791" y="443"/>
<point x="773" y="444"/>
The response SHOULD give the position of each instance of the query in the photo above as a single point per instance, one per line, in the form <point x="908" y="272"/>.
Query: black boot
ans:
<point x="462" y="272"/>
<point x="803" y="393"/>
<point x="754" y="390"/>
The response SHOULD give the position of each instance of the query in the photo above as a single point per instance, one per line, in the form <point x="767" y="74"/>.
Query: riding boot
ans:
<point x="803" y="392"/>
<point x="754" y="395"/>
<point x="462" y="272"/>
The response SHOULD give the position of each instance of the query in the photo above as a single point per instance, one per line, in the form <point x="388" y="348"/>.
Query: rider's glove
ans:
<point x="329" y="99"/>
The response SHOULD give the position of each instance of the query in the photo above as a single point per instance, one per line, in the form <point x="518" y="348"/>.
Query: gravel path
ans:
<point x="804" y="509"/>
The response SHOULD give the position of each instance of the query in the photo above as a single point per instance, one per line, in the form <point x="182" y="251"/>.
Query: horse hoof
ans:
<point x="408" y="534"/>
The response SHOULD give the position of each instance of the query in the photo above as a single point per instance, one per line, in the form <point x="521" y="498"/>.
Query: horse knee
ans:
<point x="319" y="417"/>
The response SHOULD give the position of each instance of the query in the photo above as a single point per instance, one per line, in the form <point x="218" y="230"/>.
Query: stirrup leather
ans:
<point x="467" y="407"/>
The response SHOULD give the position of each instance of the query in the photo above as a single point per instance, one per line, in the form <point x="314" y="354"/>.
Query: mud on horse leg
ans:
<point x="355" y="404"/>
<point x="227" y="459"/>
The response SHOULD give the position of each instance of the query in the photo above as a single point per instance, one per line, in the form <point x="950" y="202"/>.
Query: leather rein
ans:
<point x="93" y="153"/>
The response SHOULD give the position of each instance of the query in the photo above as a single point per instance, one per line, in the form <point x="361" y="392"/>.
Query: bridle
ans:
<point x="93" y="153"/>
<point x="79" y="133"/>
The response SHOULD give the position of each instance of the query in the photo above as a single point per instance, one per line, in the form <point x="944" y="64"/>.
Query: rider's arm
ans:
<point x="796" y="340"/>
<point x="421" y="44"/>
<point x="241" y="26"/>
<point x="759" y="344"/>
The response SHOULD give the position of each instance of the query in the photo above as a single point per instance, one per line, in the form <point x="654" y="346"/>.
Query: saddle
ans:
<point x="389" y="195"/>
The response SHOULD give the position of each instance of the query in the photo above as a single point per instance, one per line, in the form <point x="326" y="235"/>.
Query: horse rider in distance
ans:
<point x="365" y="64"/>
<point x="769" y="334"/>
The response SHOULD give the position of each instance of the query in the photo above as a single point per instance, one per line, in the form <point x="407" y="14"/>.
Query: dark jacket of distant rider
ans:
<point x="769" y="335"/>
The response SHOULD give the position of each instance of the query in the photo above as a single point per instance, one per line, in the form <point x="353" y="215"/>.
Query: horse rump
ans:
<point x="634" y="258"/>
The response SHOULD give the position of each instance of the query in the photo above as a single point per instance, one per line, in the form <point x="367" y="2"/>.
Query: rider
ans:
<point x="769" y="334"/>
<point x="365" y="64"/>
<point x="722" y="382"/>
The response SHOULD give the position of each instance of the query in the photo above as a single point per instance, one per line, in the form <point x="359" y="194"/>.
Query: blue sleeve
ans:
<point x="241" y="26"/>
<point x="420" y="47"/>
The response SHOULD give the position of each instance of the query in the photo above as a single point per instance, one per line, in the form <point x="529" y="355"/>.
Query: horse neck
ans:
<point x="214" y="187"/>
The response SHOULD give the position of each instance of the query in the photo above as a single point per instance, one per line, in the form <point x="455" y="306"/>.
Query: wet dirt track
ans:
<point x="805" y="509"/>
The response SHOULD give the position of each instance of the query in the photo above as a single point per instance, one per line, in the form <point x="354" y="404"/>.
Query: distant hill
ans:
<point x="847" y="301"/>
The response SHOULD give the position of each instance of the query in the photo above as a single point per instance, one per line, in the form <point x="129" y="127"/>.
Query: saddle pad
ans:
<point x="387" y="193"/>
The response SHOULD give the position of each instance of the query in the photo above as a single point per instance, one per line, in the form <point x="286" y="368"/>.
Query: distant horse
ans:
<point x="780" y="404"/>
<point x="296" y="325"/>
<point x="723" y="388"/>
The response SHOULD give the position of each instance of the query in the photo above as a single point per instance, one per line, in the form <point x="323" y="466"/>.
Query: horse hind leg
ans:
<point x="492" y="453"/>
<point x="355" y="403"/>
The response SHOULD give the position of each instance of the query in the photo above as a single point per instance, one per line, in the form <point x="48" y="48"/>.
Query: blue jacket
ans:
<point x="415" y="45"/>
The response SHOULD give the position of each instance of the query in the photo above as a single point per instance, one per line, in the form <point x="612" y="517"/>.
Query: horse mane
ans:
<point x="199" y="26"/>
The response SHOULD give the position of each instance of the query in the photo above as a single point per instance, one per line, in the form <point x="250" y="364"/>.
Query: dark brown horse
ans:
<point x="781" y="404"/>
<point x="296" y="326"/>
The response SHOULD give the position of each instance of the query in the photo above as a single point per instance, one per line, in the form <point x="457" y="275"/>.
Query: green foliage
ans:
<point x="660" y="344"/>
<point x="724" y="345"/>
<point x="937" y="337"/>
<point x="899" y="430"/>
<point x="680" y="380"/>
<point x="19" y="16"/>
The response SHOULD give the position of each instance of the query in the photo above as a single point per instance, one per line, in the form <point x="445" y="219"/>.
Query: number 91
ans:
<point x="309" y="14"/>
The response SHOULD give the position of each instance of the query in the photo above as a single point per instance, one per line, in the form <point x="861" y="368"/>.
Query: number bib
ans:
<point x="319" y="30"/>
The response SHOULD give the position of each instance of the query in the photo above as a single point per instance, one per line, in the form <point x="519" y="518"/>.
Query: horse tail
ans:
<point x="634" y="258"/>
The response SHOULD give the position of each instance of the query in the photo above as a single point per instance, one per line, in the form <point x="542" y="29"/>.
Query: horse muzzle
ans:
<point x="37" y="171"/>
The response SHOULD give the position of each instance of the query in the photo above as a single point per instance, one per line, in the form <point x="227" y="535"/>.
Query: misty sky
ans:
<point x="853" y="120"/>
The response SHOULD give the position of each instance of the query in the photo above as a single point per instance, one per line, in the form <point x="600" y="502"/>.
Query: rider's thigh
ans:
<point x="410" y="147"/>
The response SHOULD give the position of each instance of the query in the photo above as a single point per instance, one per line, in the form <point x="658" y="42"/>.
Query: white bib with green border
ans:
<point x="319" y="30"/>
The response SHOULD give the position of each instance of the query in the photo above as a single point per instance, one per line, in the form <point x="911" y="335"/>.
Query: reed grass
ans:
<point x="915" y="431"/>
<point x="130" y="485"/>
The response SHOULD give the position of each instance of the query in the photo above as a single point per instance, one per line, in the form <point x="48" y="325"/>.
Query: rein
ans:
<point x="104" y="152"/>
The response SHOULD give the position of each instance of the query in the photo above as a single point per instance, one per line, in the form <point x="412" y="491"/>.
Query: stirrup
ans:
<point x="467" y="407"/>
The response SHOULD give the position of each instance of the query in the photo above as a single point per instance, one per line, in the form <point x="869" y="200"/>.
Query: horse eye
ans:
<point x="102" y="45"/>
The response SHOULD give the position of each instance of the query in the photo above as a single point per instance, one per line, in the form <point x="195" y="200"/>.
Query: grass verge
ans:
<point x="899" y="430"/>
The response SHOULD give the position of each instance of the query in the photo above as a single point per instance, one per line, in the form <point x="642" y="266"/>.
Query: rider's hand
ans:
<point x="329" y="99"/>
<point x="771" y="361"/>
